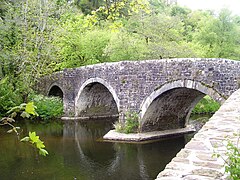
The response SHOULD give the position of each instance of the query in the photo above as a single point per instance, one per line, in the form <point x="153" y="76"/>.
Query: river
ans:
<point x="77" y="152"/>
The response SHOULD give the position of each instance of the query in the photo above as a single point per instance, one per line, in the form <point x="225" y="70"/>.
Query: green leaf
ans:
<point x="40" y="144"/>
<point x="25" y="139"/>
<point x="30" y="108"/>
<point x="25" y="114"/>
<point x="43" y="152"/>
<point x="33" y="137"/>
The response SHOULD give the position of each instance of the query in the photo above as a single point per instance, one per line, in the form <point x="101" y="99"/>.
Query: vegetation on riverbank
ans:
<point x="47" y="107"/>
<point x="205" y="106"/>
<point x="131" y="124"/>
<point x="41" y="37"/>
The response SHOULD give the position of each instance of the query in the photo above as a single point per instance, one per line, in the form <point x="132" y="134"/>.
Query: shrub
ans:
<point x="232" y="163"/>
<point x="48" y="107"/>
<point x="9" y="97"/>
<point x="131" y="124"/>
<point x="206" y="105"/>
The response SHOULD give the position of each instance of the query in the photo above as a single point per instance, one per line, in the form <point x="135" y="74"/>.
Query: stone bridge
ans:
<point x="163" y="92"/>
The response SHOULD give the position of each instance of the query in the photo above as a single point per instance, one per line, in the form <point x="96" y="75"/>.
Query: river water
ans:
<point x="76" y="151"/>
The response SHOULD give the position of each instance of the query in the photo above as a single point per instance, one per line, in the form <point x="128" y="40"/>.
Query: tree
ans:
<point x="163" y="35"/>
<point x="87" y="6"/>
<point x="116" y="11"/>
<point x="26" y="49"/>
<point x="218" y="37"/>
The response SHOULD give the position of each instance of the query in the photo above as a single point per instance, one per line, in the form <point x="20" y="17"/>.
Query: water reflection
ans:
<point x="114" y="160"/>
<point x="76" y="153"/>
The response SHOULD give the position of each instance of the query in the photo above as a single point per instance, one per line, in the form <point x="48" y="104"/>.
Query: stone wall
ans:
<point x="134" y="85"/>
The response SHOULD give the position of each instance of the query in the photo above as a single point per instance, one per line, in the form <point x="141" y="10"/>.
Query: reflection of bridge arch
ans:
<point x="170" y="106"/>
<point x="119" y="158"/>
<point x="96" y="96"/>
<point x="87" y="152"/>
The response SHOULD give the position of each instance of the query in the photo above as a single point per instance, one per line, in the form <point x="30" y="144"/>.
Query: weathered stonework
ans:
<point x="138" y="85"/>
<point x="195" y="161"/>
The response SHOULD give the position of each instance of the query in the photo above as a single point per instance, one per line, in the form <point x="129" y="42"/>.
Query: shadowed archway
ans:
<point x="95" y="99"/>
<point x="170" y="106"/>
<point x="56" y="91"/>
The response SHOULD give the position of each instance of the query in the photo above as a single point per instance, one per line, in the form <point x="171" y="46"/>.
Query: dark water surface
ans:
<point x="75" y="152"/>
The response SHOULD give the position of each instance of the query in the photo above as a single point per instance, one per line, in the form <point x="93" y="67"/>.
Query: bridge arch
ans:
<point x="172" y="104"/>
<point x="55" y="90"/>
<point x="95" y="98"/>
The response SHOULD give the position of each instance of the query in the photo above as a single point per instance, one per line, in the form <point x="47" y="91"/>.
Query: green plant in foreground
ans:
<point x="35" y="141"/>
<point x="232" y="163"/>
<point x="48" y="107"/>
<point x="25" y="110"/>
<point x="131" y="124"/>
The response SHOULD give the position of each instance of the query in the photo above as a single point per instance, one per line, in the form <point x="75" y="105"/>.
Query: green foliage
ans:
<point x="232" y="163"/>
<point x="48" y="107"/>
<point x="9" y="97"/>
<point x="35" y="141"/>
<point x="78" y="46"/>
<point x="217" y="36"/>
<point x="131" y="124"/>
<point x="163" y="35"/>
<point x="206" y="105"/>
<point x="126" y="46"/>
<point x="117" y="10"/>
<point x="25" y="110"/>
<point x="27" y="52"/>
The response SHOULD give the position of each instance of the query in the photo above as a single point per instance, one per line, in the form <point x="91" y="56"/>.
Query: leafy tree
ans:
<point x="116" y="11"/>
<point x="87" y="6"/>
<point x="126" y="46"/>
<point x="9" y="97"/>
<point x="26" y="50"/>
<point x="163" y="35"/>
<point x="218" y="37"/>
<point x="77" y="45"/>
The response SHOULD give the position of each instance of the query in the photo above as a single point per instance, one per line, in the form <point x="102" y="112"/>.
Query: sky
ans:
<point x="216" y="5"/>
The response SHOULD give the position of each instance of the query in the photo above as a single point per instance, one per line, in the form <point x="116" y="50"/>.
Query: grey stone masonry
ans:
<point x="163" y="92"/>
<point x="195" y="161"/>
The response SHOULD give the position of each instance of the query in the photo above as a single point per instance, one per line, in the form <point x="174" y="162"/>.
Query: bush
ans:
<point x="48" y="107"/>
<point x="9" y="97"/>
<point x="232" y="163"/>
<point x="206" y="105"/>
<point x="131" y="124"/>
